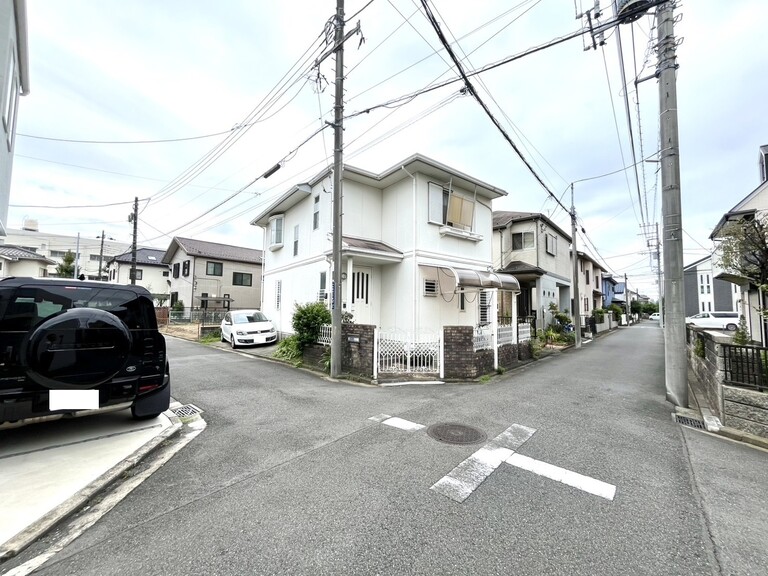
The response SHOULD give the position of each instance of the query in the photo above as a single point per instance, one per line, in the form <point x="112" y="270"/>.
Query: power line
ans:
<point x="159" y="141"/>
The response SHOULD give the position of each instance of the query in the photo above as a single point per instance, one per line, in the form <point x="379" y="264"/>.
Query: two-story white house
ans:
<point x="151" y="273"/>
<point x="416" y="250"/>
<point x="212" y="275"/>
<point x="535" y="250"/>
<point x="590" y="284"/>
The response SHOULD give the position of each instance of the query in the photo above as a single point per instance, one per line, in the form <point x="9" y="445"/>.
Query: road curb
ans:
<point x="42" y="526"/>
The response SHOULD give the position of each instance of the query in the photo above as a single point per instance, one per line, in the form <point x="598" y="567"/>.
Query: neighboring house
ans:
<point x="609" y="289"/>
<point x="95" y="252"/>
<point x="14" y="79"/>
<point x="755" y="204"/>
<point x="704" y="291"/>
<point x="533" y="249"/>
<point x="590" y="284"/>
<point x="151" y="273"/>
<point x="211" y="275"/>
<point x="20" y="262"/>
<point x="416" y="249"/>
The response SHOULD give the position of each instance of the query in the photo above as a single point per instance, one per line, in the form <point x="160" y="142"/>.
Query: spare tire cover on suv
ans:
<point x="78" y="348"/>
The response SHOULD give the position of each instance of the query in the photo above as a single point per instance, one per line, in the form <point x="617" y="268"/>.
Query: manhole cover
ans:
<point x="451" y="433"/>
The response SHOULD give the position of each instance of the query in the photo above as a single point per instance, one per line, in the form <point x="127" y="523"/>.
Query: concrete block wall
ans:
<point x="741" y="408"/>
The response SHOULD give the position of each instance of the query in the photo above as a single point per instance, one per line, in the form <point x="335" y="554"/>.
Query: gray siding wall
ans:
<point x="691" y="289"/>
<point x="723" y="295"/>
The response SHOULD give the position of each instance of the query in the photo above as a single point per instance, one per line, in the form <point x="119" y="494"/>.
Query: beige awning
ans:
<point x="481" y="279"/>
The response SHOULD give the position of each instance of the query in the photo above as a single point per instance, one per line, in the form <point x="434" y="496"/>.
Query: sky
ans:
<point x="186" y="103"/>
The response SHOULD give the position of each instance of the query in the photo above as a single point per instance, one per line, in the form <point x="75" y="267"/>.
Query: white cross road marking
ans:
<point x="460" y="482"/>
<point x="585" y="483"/>
<point x="380" y="418"/>
<point x="402" y="424"/>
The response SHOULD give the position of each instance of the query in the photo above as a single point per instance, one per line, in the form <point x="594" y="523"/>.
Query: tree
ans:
<point x="67" y="267"/>
<point x="744" y="249"/>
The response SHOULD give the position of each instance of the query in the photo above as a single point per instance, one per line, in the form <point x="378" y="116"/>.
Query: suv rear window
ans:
<point x="24" y="307"/>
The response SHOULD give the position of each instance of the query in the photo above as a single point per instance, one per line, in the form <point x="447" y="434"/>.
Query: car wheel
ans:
<point x="232" y="341"/>
<point x="730" y="327"/>
<point x="76" y="349"/>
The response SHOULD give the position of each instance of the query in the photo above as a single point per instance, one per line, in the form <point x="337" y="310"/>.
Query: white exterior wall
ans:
<point x="151" y="276"/>
<point x="23" y="268"/>
<point x="9" y="53"/>
<point x="392" y="216"/>
<point x="53" y="245"/>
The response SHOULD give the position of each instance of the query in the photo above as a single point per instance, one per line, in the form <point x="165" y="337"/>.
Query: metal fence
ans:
<point x="325" y="335"/>
<point x="746" y="366"/>
<point x="403" y="351"/>
<point x="196" y="316"/>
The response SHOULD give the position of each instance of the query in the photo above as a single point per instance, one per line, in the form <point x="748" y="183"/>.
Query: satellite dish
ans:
<point x="630" y="10"/>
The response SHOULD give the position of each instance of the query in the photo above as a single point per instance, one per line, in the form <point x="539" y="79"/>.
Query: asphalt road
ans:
<point x="292" y="476"/>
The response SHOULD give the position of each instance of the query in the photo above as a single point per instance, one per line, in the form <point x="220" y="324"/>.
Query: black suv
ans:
<point x="69" y="345"/>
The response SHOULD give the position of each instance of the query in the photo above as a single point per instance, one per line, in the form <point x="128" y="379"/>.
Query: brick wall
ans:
<point x="459" y="357"/>
<point x="357" y="347"/>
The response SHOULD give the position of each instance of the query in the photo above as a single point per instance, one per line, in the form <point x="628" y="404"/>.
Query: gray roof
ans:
<point x="144" y="256"/>
<point x="213" y="250"/>
<point x="15" y="253"/>
<point x="502" y="218"/>
<point x="366" y="244"/>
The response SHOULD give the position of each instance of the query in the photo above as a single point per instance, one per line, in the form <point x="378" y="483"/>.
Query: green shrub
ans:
<point x="307" y="320"/>
<point x="599" y="315"/>
<point x="211" y="337"/>
<point x="178" y="306"/>
<point x="698" y="348"/>
<point x="562" y="318"/>
<point x="741" y="336"/>
<point x="288" y="349"/>
<point x="616" y="310"/>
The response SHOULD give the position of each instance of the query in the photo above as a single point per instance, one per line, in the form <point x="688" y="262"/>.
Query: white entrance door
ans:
<point x="361" y="295"/>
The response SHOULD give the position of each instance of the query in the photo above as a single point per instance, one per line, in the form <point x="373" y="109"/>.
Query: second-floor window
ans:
<point x="586" y="276"/>
<point x="242" y="279"/>
<point x="450" y="209"/>
<point x="185" y="268"/>
<point x="316" y="214"/>
<point x="176" y="270"/>
<point x="522" y="240"/>
<point x="214" y="268"/>
<point x="551" y="244"/>
<point x="276" y="231"/>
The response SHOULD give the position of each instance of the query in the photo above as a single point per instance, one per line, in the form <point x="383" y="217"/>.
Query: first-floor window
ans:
<point x="296" y="240"/>
<point x="242" y="279"/>
<point x="484" y="299"/>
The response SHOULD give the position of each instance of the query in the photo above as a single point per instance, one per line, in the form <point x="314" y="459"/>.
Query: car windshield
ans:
<point x="248" y="317"/>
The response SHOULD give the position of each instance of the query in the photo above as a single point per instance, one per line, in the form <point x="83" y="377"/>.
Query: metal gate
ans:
<point x="404" y="352"/>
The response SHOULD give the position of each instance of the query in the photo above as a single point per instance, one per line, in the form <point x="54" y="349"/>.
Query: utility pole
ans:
<point x="134" y="217"/>
<point x="660" y="281"/>
<point x="77" y="256"/>
<point x="338" y="109"/>
<point x="675" y="360"/>
<point x="576" y="296"/>
<point x="627" y="307"/>
<point x="101" y="254"/>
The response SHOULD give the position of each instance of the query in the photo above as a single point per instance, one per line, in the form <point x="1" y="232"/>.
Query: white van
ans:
<point x="716" y="320"/>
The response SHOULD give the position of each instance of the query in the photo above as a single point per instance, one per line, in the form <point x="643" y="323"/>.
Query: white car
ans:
<point x="246" y="328"/>
<point x="716" y="320"/>
<point x="654" y="316"/>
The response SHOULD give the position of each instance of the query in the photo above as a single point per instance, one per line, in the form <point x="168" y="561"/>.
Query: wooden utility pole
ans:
<point x="338" y="109"/>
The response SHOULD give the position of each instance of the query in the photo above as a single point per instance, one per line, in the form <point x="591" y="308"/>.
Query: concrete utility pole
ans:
<point x="134" y="217"/>
<point x="338" y="119"/>
<point x="77" y="256"/>
<point x="575" y="280"/>
<point x="101" y="254"/>
<point x="627" y="307"/>
<point x="660" y="281"/>
<point x="676" y="363"/>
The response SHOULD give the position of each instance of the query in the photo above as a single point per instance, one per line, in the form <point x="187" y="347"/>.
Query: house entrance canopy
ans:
<point x="481" y="279"/>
